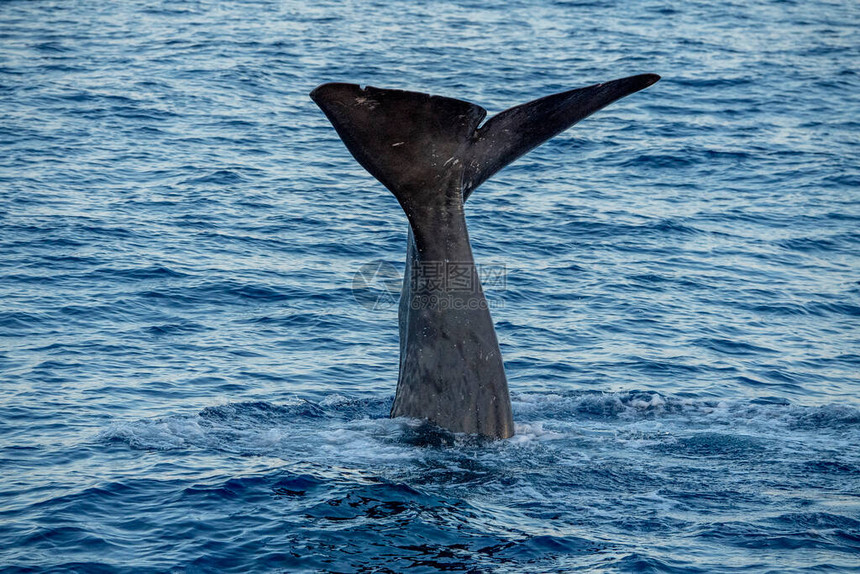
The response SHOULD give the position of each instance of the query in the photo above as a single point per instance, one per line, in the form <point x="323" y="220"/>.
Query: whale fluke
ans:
<point x="431" y="152"/>
<point x="406" y="140"/>
<point x="399" y="136"/>
<point x="518" y="130"/>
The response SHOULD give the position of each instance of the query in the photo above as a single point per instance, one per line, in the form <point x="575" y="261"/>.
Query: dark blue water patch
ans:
<point x="754" y="537"/>
<point x="844" y="180"/>
<point x="731" y="347"/>
<point x="831" y="467"/>
<point x="721" y="497"/>
<point x="549" y="548"/>
<point x="765" y="400"/>
<point x="244" y="415"/>
<point x="297" y="485"/>
<point x="659" y="368"/>
<point x="708" y="83"/>
<point x="821" y="521"/>
<point x="837" y="417"/>
<point x="376" y="510"/>
<point x="636" y="562"/>
<point x="220" y="177"/>
<point x="135" y="274"/>
<point x="820" y="308"/>
<point x="358" y="408"/>
<point x="223" y="292"/>
<point x="87" y="313"/>
<point x="813" y="244"/>
<point x="775" y="376"/>
<point x="183" y="328"/>
<point x="658" y="281"/>
<point x="716" y="445"/>
<point x="834" y="308"/>
<point x="85" y="348"/>
<point x="660" y="228"/>
<point x="377" y="501"/>
<point x="296" y="320"/>
<point x="14" y="324"/>
<point x="95" y="567"/>
<point x="417" y="526"/>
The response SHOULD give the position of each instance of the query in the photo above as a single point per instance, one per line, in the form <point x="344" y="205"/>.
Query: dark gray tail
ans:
<point x="409" y="140"/>
<point x="431" y="153"/>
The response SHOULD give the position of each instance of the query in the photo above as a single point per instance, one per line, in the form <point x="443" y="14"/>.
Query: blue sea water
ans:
<point x="192" y="379"/>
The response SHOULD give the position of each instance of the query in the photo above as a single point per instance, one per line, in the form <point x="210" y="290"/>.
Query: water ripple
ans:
<point x="188" y="383"/>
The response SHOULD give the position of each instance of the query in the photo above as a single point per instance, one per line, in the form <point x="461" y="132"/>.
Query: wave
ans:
<point x="689" y="426"/>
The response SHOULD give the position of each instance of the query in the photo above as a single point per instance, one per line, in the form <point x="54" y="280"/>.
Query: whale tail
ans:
<point x="409" y="140"/>
<point x="431" y="152"/>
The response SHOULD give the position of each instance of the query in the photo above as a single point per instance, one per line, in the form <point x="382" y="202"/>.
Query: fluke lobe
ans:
<point x="431" y="154"/>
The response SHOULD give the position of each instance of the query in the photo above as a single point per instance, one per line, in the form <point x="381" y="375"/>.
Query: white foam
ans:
<point x="530" y="432"/>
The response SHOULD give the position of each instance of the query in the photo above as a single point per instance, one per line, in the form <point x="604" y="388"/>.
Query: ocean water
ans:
<point x="196" y="369"/>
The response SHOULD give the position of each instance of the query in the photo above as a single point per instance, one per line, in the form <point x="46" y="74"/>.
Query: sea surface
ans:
<point x="198" y="337"/>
